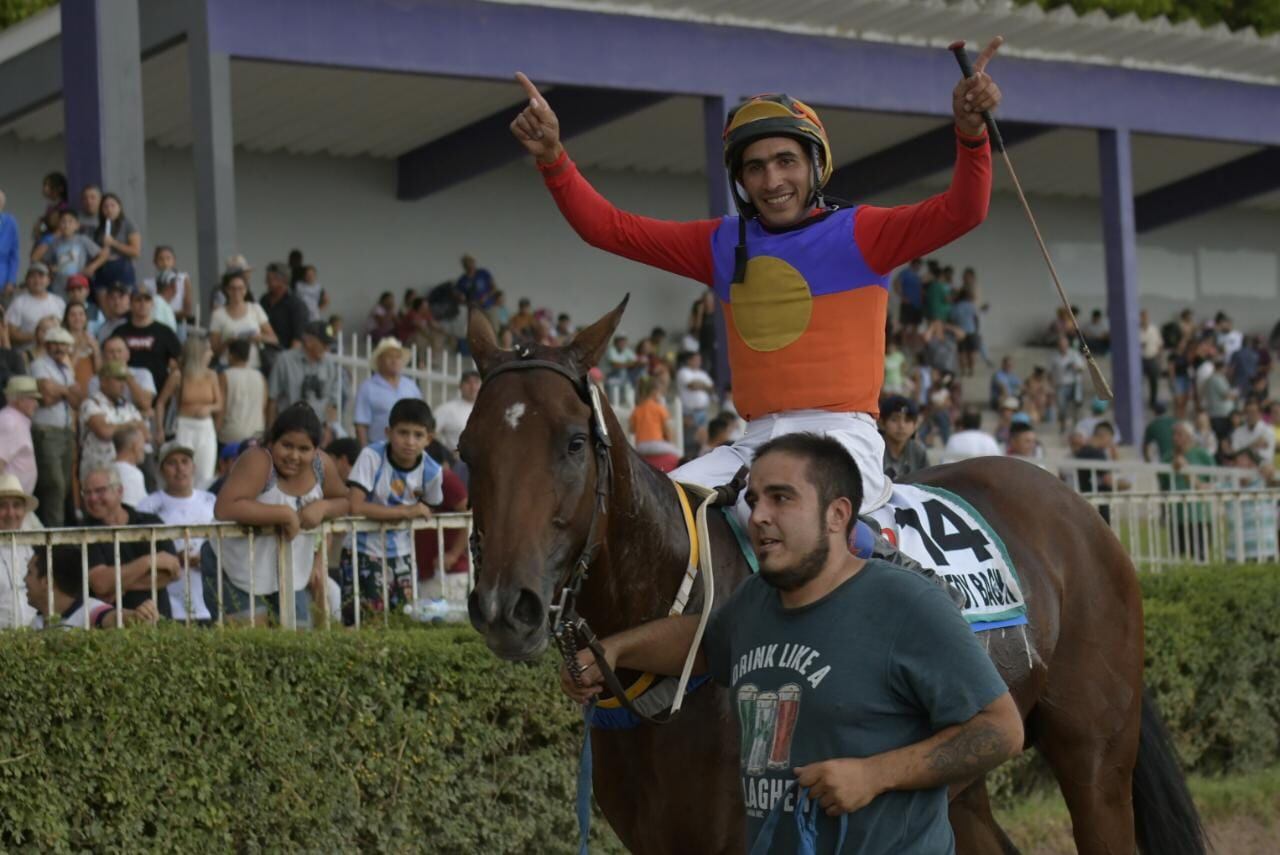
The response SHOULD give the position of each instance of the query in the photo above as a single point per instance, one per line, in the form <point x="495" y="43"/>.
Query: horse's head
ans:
<point x="535" y="458"/>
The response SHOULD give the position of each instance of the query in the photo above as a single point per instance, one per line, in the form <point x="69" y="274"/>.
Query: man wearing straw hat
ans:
<point x="53" y="425"/>
<point x="15" y="503"/>
<point x="17" y="453"/>
<point x="377" y="395"/>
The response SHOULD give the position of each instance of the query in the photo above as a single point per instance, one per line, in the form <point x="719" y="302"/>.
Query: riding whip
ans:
<point x="1101" y="388"/>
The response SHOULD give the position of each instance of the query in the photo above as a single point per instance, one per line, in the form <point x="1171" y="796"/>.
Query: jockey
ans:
<point x="803" y="283"/>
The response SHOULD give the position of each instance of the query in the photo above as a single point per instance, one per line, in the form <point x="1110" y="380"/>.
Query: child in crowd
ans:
<point x="290" y="484"/>
<point x="903" y="453"/>
<point x="130" y="444"/>
<point x="244" y="396"/>
<point x="392" y="481"/>
<point x="649" y="426"/>
<point x="311" y="292"/>
<point x="70" y="611"/>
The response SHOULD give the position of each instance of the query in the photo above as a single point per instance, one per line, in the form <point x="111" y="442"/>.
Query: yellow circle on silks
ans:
<point x="772" y="308"/>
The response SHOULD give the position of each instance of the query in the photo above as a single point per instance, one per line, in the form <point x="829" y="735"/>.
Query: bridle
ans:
<point x="567" y="627"/>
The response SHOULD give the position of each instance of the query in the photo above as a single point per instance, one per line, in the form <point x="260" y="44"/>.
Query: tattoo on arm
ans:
<point x="972" y="751"/>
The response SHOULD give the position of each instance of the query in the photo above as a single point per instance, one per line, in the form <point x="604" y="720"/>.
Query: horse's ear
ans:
<point x="588" y="346"/>
<point x="484" y="345"/>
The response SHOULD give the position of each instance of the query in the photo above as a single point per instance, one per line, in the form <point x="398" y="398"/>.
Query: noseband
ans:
<point x="565" y="623"/>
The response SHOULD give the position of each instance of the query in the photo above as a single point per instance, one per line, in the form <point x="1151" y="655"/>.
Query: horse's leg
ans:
<point x="1088" y="727"/>
<point x="975" y="828"/>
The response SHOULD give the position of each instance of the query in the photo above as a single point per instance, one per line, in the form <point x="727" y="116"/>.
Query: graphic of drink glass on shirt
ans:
<point x="768" y="721"/>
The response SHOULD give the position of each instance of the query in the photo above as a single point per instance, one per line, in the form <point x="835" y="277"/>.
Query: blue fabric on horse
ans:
<point x="806" y="817"/>
<point x="624" y="719"/>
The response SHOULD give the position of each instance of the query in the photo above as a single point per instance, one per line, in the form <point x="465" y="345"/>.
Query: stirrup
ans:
<point x="868" y="541"/>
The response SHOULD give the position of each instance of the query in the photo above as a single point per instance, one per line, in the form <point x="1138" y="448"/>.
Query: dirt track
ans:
<point x="1242" y="835"/>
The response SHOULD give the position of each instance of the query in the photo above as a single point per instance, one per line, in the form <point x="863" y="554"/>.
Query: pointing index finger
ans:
<point x="988" y="53"/>
<point x="529" y="88"/>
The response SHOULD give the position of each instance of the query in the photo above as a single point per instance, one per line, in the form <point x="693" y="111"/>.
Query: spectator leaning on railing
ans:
<point x="179" y="503"/>
<point x="289" y="485"/>
<point x="104" y="506"/>
<point x="392" y="481"/>
<point x="69" y="609"/>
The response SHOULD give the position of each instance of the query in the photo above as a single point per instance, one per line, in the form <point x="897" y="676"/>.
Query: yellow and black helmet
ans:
<point x="776" y="116"/>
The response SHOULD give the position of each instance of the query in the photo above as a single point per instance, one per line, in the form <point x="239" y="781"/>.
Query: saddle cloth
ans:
<point x="943" y="531"/>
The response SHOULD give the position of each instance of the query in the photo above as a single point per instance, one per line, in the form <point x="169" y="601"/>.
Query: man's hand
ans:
<point x="840" y="786"/>
<point x="973" y="95"/>
<point x="592" y="679"/>
<point x="145" y="612"/>
<point x="537" y="127"/>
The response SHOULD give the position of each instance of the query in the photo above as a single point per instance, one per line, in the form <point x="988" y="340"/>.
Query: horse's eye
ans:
<point x="576" y="444"/>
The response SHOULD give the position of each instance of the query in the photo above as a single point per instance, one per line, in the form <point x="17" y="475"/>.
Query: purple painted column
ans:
<point x="719" y="204"/>
<point x="102" y="101"/>
<point x="82" y="111"/>
<point x="1121" y="247"/>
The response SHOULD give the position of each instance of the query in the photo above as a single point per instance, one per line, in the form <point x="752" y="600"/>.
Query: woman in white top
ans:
<point x="289" y="485"/>
<point x="239" y="319"/>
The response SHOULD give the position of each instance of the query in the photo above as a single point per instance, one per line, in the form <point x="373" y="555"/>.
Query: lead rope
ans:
<point x="584" y="779"/>
<point x="806" y="816"/>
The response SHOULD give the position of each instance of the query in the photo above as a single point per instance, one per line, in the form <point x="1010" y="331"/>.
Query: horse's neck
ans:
<point x="635" y="577"/>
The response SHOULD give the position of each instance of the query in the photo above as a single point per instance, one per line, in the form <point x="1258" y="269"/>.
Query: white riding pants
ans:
<point x="857" y="432"/>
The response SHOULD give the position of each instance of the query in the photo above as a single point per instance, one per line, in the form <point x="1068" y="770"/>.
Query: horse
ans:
<point x="541" y="498"/>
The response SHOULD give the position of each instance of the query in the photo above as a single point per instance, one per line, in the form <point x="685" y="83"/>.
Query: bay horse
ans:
<point x="539" y="495"/>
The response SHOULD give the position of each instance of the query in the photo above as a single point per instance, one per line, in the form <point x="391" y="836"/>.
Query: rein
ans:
<point x="569" y="629"/>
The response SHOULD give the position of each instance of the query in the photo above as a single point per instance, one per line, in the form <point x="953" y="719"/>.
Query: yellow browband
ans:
<point x="646" y="679"/>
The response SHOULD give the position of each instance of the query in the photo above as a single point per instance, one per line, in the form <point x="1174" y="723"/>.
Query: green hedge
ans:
<point x="266" y="740"/>
<point x="413" y="739"/>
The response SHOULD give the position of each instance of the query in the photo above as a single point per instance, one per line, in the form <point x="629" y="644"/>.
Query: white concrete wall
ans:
<point x="343" y="214"/>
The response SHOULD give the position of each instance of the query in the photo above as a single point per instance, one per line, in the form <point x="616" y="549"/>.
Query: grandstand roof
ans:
<point x="346" y="112"/>
<point x="1156" y="43"/>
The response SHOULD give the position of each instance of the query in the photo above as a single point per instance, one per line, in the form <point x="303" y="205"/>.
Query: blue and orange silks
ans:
<point x="806" y="327"/>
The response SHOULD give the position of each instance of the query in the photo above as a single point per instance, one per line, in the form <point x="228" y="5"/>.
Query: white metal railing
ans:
<point x="1132" y="474"/>
<point x="436" y="372"/>
<point x="12" y="545"/>
<point x="1159" y="529"/>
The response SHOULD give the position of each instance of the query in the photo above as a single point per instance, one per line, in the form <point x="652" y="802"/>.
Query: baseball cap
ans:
<point x="38" y="267"/>
<point x="79" y="280"/>
<point x="113" y="369"/>
<point x="1011" y="403"/>
<point x="318" y="329"/>
<point x="172" y="446"/>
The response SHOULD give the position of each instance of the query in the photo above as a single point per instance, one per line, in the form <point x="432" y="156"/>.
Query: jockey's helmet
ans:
<point x="778" y="115"/>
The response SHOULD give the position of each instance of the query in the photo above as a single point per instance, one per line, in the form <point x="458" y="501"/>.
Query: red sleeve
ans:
<point x="680" y="248"/>
<point x="889" y="237"/>
<point x="453" y="493"/>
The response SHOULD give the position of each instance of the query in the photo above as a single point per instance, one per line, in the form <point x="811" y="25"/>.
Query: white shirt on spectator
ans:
<point x="971" y="443"/>
<point x="384" y="483"/>
<point x="1152" y="342"/>
<point x="243" y="327"/>
<point x="693" y="399"/>
<point x="1244" y="437"/>
<point x="54" y="415"/>
<point x="451" y="418"/>
<point x="13" y="588"/>
<point x="131" y="480"/>
<point x="26" y="311"/>
<point x="196" y="509"/>
<point x="94" y="450"/>
<point x="75" y="619"/>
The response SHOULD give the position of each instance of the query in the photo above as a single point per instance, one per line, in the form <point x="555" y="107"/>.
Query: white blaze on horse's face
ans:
<point x="513" y="415"/>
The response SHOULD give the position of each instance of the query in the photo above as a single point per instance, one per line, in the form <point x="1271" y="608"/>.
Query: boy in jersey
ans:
<point x="392" y="481"/>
